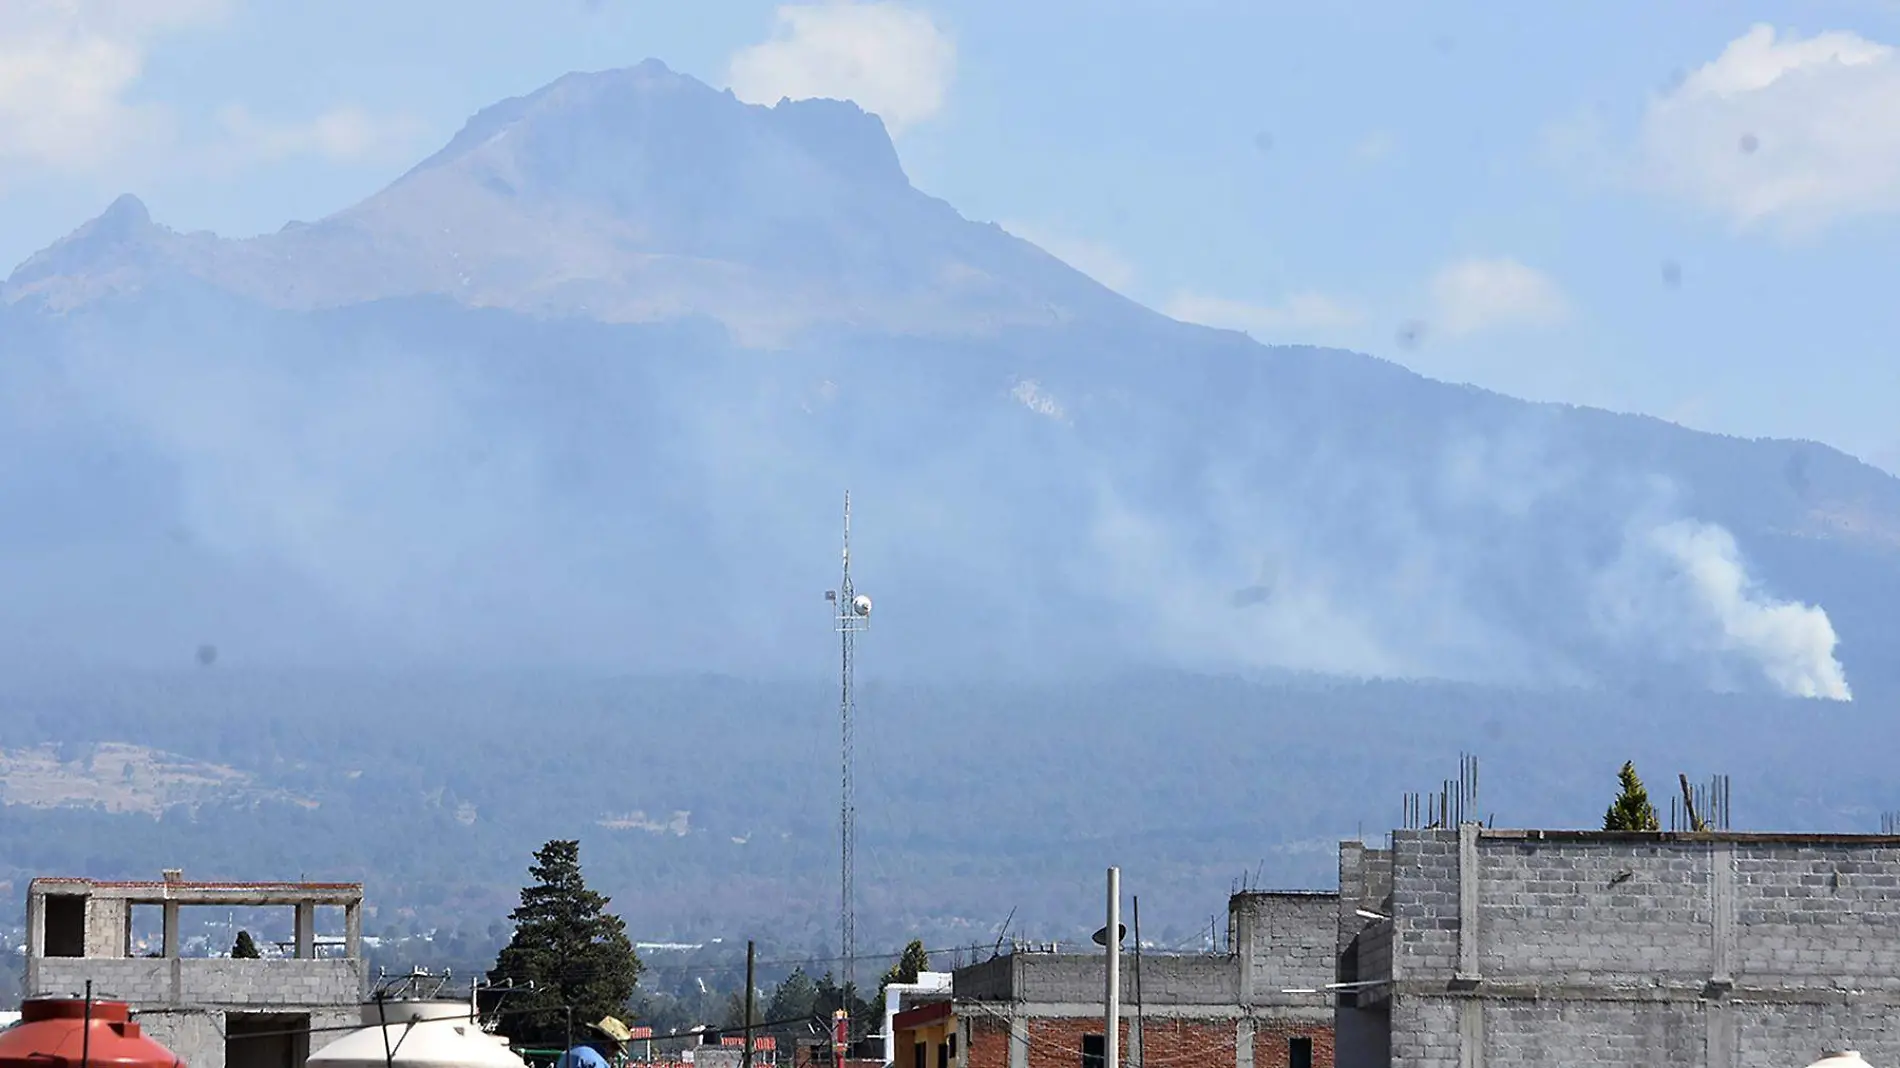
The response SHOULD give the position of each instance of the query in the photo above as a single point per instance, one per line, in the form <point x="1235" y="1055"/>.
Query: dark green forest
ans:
<point x="974" y="800"/>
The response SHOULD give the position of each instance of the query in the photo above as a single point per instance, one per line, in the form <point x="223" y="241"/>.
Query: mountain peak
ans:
<point x="634" y="194"/>
<point x="109" y="249"/>
<point x="619" y="127"/>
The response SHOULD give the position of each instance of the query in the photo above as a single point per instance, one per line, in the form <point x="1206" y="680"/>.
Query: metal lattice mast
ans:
<point x="853" y="615"/>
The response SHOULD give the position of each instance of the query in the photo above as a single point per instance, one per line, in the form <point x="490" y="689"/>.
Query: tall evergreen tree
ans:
<point x="1631" y="811"/>
<point x="245" y="948"/>
<point x="829" y="997"/>
<point x="913" y="962"/>
<point x="794" y="998"/>
<point x="570" y="948"/>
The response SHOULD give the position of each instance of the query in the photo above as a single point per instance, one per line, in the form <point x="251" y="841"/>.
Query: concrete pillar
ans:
<point x="1720" y="1037"/>
<point x="306" y="930"/>
<point x="35" y="939"/>
<point x="1471" y="1034"/>
<point x="353" y="930"/>
<point x="1246" y="933"/>
<point x="1468" y="903"/>
<point x="1722" y="950"/>
<point x="35" y="925"/>
<point x="171" y="929"/>
<point x="1018" y="1042"/>
<point x="1243" y="1043"/>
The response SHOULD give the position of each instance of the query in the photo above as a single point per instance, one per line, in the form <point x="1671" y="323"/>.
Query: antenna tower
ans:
<point x="853" y="614"/>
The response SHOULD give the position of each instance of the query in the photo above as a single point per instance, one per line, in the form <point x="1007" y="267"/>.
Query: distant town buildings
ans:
<point x="1254" y="1006"/>
<point x="1454" y="947"/>
<point x="214" y="1012"/>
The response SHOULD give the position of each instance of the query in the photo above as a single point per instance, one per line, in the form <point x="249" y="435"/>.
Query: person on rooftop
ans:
<point x="601" y="1049"/>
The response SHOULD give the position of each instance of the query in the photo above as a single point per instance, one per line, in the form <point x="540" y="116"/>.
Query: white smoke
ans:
<point x="1683" y="586"/>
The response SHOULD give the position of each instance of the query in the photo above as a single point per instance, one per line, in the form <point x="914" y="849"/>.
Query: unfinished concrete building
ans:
<point x="214" y="1012"/>
<point x="1255" y="1006"/>
<point x="1560" y="948"/>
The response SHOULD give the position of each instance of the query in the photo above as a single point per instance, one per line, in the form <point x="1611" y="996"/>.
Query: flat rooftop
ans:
<point x="206" y="893"/>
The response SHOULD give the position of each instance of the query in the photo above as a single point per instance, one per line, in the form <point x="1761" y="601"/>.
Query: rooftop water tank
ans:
<point x="416" y="1034"/>
<point x="1843" y="1059"/>
<point x="54" y="1033"/>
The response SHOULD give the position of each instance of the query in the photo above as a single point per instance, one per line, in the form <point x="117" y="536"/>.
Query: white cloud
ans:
<point x="1474" y="295"/>
<point x="1300" y="313"/>
<point x="888" y="58"/>
<point x="1093" y="258"/>
<point x="67" y="68"/>
<point x="69" y="77"/>
<point x="1799" y="131"/>
<point x="342" y="134"/>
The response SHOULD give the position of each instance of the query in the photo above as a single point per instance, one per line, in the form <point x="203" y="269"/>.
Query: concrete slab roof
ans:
<point x="203" y="893"/>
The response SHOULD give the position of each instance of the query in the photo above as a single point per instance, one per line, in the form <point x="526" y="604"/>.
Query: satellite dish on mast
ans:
<point x="1121" y="935"/>
<point x="861" y="605"/>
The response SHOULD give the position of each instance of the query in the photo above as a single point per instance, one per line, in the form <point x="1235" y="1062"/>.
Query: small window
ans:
<point x="943" y="1055"/>
<point x="1095" y="1052"/>
<point x="953" y="1045"/>
<point x="1299" y="1053"/>
<point x="923" y="1056"/>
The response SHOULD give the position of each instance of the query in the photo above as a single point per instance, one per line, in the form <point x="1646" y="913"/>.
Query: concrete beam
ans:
<point x="1496" y="990"/>
<point x="1750" y="837"/>
<point x="228" y="894"/>
<point x="1304" y="1009"/>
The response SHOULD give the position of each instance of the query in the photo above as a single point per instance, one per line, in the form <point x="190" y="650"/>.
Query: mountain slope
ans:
<point x="583" y="390"/>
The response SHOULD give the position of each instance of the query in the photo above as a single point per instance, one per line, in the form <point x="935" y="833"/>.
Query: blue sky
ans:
<point x="1686" y="209"/>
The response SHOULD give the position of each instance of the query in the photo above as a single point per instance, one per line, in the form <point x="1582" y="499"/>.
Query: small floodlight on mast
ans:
<point x="853" y="614"/>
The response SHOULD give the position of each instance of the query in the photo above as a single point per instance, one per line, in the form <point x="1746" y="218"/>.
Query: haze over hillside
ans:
<point x="584" y="388"/>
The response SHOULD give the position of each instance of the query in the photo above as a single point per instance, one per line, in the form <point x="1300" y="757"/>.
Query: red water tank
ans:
<point x="52" y="1033"/>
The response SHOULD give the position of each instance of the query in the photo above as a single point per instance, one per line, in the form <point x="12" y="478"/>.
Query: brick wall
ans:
<point x="1056" y="1042"/>
<point x="983" y="1042"/>
<point x="1272" y="1043"/>
<point x="1577" y="949"/>
<point x="1079" y="978"/>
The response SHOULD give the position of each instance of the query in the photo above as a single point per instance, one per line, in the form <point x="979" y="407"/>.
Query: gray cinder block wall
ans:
<point x="213" y="1012"/>
<point x="1714" y="950"/>
<point x="1280" y="941"/>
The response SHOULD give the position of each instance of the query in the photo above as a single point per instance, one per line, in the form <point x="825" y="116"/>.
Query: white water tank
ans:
<point x="1843" y="1059"/>
<point x="417" y="1034"/>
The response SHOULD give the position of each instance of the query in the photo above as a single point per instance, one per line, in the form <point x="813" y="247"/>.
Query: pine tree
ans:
<point x="829" y="997"/>
<point x="1631" y="811"/>
<point x="245" y="948"/>
<point x="574" y="952"/>
<point x="914" y="962"/>
<point x="794" y="998"/>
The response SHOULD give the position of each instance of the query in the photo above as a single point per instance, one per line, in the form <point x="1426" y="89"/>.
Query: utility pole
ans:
<point x="1112" y="1035"/>
<point x="745" y="1057"/>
